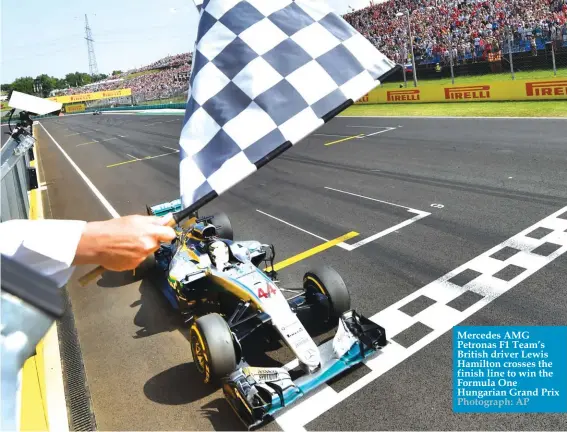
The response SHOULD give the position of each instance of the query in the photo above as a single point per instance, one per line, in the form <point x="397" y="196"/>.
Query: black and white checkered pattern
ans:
<point x="265" y="75"/>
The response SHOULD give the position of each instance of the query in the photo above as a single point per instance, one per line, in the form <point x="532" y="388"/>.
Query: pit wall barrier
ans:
<point x="525" y="90"/>
<point x="42" y="405"/>
<point x="33" y="403"/>
<point x="121" y="108"/>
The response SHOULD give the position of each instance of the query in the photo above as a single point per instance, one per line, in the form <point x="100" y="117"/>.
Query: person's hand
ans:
<point x="123" y="243"/>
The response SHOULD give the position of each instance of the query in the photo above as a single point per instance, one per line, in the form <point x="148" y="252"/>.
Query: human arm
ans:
<point x="53" y="247"/>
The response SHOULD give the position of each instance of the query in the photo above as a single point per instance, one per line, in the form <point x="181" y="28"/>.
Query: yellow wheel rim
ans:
<point x="200" y="355"/>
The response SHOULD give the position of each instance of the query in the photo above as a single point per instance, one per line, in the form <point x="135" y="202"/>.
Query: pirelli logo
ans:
<point x="403" y="95"/>
<point x="546" y="88"/>
<point x="469" y="92"/>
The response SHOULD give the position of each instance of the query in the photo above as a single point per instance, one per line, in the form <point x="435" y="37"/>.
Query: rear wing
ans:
<point x="165" y="208"/>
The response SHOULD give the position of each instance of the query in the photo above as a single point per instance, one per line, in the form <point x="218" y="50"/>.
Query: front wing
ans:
<point x="256" y="394"/>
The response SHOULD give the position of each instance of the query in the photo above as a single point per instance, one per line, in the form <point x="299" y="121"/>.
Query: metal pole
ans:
<point x="553" y="57"/>
<point x="451" y="63"/>
<point x="404" y="62"/>
<point x="510" y="55"/>
<point x="412" y="54"/>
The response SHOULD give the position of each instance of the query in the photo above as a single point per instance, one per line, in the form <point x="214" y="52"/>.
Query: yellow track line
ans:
<point x="32" y="416"/>
<point x="142" y="159"/>
<point x="313" y="251"/>
<point x="344" y="139"/>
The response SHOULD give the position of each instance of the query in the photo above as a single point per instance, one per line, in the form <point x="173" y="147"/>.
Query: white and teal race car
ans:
<point x="225" y="297"/>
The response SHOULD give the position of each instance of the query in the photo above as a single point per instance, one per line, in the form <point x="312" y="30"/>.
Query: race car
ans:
<point x="225" y="297"/>
<point x="97" y="112"/>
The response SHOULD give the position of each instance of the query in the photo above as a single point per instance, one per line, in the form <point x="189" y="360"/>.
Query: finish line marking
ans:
<point x="141" y="159"/>
<point x="419" y="214"/>
<point x="484" y="277"/>
<point x="310" y="252"/>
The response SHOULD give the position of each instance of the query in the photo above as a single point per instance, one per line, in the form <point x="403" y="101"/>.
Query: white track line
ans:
<point x="73" y="134"/>
<point x="371" y="127"/>
<point x="439" y="317"/>
<point x="90" y="184"/>
<point x="291" y="225"/>
<point x="350" y="247"/>
<point x="95" y="141"/>
<point x="371" y="199"/>
<point x="419" y="215"/>
<point x="379" y="132"/>
<point x="169" y="148"/>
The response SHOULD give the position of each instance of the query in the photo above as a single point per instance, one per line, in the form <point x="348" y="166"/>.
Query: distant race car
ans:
<point x="225" y="297"/>
<point x="97" y="112"/>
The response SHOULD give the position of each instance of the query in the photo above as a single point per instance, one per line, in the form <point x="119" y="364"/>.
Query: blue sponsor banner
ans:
<point x="510" y="369"/>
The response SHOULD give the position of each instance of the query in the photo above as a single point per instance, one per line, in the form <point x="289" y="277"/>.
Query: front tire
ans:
<point x="212" y="347"/>
<point x="325" y="280"/>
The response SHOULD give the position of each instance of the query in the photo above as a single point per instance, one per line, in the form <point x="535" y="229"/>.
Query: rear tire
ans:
<point x="327" y="281"/>
<point x="223" y="226"/>
<point x="212" y="347"/>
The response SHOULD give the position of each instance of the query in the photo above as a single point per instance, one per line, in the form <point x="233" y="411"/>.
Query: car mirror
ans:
<point x="269" y="251"/>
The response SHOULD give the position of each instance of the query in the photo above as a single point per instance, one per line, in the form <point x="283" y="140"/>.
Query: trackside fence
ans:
<point x="18" y="176"/>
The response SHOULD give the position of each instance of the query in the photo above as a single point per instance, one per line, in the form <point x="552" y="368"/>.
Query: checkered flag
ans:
<point x="265" y="74"/>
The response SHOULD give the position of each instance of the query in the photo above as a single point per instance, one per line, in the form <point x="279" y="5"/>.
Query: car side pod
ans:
<point x="256" y="394"/>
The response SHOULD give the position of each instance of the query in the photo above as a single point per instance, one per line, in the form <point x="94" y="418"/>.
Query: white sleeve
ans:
<point x="47" y="245"/>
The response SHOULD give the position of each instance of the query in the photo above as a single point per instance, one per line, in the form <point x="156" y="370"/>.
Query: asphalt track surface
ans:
<point x="472" y="184"/>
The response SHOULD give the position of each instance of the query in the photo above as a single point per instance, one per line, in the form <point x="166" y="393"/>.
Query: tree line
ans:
<point x="47" y="83"/>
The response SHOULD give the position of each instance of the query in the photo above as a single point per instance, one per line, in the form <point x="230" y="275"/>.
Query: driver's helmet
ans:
<point x="219" y="253"/>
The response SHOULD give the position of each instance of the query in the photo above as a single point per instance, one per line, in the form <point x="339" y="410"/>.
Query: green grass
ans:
<point x="537" y="74"/>
<point x="137" y="74"/>
<point x="473" y="109"/>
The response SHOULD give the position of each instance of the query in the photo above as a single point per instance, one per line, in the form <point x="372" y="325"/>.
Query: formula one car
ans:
<point x="225" y="297"/>
<point x="97" y="112"/>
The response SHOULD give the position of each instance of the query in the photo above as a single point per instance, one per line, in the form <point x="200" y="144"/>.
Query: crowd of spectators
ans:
<point x="466" y="30"/>
<point x="470" y="30"/>
<point x="162" y="79"/>
<point x="168" y="62"/>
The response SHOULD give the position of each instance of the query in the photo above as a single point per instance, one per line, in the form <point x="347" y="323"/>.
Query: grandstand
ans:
<point x="166" y="78"/>
<point x="477" y="34"/>
<point x="470" y="30"/>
